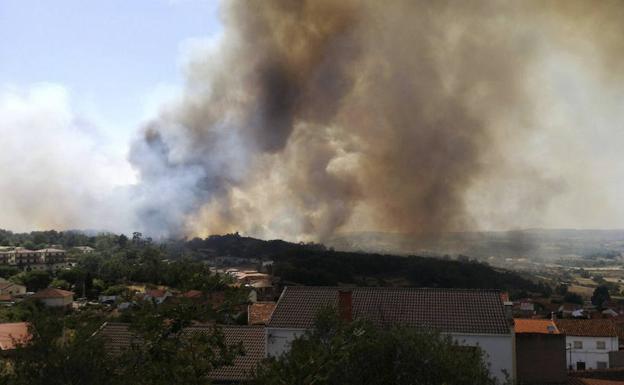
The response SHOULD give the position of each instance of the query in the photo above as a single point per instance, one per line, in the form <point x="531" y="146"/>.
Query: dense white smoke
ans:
<point x="55" y="173"/>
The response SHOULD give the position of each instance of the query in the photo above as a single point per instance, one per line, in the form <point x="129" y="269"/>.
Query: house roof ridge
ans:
<point x="459" y="289"/>
<point x="455" y="310"/>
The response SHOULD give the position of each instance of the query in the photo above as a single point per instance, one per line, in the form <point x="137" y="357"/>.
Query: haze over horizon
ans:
<point x="301" y="121"/>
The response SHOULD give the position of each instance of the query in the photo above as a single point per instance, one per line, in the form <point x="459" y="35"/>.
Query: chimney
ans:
<point x="508" y="306"/>
<point x="345" y="305"/>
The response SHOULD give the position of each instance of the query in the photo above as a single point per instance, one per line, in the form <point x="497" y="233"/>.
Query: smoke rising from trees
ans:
<point x="312" y="117"/>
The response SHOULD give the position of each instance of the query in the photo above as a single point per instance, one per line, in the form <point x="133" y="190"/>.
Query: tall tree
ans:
<point x="600" y="296"/>
<point x="342" y="353"/>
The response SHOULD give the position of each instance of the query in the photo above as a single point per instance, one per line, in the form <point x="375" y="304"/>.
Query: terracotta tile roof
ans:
<point x="587" y="328"/>
<point x="192" y="294"/>
<point x="118" y="337"/>
<point x="51" y="292"/>
<point x="156" y="293"/>
<point x="5" y="297"/>
<point x="535" y="326"/>
<point x="216" y="298"/>
<point x="6" y="285"/>
<point x="259" y="313"/>
<point x="12" y="334"/>
<point x="447" y="310"/>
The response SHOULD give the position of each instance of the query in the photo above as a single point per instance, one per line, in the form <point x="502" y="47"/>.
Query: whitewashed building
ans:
<point x="52" y="297"/>
<point x="471" y="317"/>
<point x="588" y="342"/>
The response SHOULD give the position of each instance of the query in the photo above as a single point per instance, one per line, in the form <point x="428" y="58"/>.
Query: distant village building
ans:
<point x="470" y="317"/>
<point x="84" y="249"/>
<point x="45" y="259"/>
<point x="52" y="297"/>
<point x="540" y="352"/>
<point x="588" y="342"/>
<point x="50" y="256"/>
<point x="23" y="257"/>
<point x="107" y="299"/>
<point x="193" y="295"/>
<point x="157" y="295"/>
<point x="260" y="284"/>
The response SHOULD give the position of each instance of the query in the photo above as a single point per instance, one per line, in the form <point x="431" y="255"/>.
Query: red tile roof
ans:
<point x="6" y="285"/>
<point x="193" y="294"/>
<point x="156" y="293"/>
<point x="51" y="292"/>
<point x="587" y="327"/>
<point x="535" y="326"/>
<point x="259" y="313"/>
<point x="12" y="334"/>
<point x="447" y="310"/>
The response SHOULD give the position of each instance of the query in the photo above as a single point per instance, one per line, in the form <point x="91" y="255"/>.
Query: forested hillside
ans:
<point x="116" y="259"/>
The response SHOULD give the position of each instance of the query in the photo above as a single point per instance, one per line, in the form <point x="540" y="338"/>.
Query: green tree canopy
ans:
<point x="60" y="352"/>
<point x="359" y="353"/>
<point x="33" y="280"/>
<point x="169" y="353"/>
<point x="600" y="296"/>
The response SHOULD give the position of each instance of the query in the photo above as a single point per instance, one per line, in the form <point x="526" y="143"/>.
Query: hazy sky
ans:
<point x="543" y="86"/>
<point x="77" y="80"/>
<point x="117" y="59"/>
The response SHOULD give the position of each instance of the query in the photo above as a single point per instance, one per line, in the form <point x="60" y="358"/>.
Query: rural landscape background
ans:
<point x="311" y="192"/>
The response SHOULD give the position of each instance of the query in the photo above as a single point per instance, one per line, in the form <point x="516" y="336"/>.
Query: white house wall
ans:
<point x="279" y="340"/>
<point x="499" y="352"/>
<point x="589" y="354"/>
<point x="57" y="302"/>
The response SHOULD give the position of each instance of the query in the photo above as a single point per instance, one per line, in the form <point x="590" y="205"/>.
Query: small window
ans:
<point x="578" y="345"/>
<point x="601" y="345"/>
<point x="580" y="365"/>
<point x="601" y="365"/>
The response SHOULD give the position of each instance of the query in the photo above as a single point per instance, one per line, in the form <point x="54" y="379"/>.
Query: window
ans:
<point x="580" y="365"/>
<point x="601" y="345"/>
<point x="601" y="365"/>
<point x="578" y="345"/>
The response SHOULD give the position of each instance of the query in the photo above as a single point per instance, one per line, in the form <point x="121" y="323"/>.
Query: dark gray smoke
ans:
<point x="313" y="117"/>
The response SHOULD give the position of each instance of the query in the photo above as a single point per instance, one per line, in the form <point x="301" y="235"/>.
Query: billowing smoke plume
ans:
<point x="312" y="117"/>
<point x="56" y="174"/>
